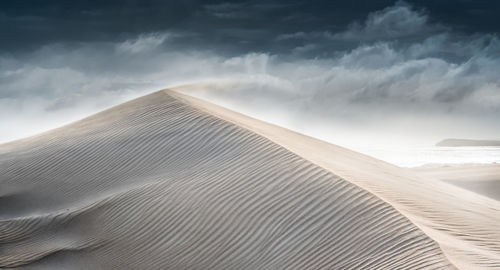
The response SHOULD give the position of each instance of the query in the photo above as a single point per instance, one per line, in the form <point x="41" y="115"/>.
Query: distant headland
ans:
<point x="467" y="142"/>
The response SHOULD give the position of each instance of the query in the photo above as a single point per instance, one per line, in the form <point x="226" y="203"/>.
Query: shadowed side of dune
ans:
<point x="158" y="184"/>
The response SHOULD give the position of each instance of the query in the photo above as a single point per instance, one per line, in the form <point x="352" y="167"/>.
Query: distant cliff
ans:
<point x="463" y="142"/>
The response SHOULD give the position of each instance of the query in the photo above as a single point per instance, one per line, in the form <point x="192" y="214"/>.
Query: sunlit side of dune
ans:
<point x="464" y="223"/>
<point x="170" y="182"/>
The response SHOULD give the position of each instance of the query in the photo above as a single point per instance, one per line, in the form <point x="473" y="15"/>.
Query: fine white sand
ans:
<point x="167" y="181"/>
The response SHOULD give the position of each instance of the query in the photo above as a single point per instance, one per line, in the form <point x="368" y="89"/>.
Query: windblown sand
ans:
<point x="167" y="181"/>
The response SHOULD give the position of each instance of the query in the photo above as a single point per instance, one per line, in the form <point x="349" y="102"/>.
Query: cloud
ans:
<point x="304" y="49"/>
<point x="398" y="21"/>
<point x="400" y="70"/>
<point x="242" y="10"/>
<point x="296" y="35"/>
<point x="253" y="63"/>
<point x="143" y="43"/>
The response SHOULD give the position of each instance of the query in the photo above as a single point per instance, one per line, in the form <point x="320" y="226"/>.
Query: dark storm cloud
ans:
<point x="395" y="22"/>
<point x="248" y="25"/>
<point x="32" y="23"/>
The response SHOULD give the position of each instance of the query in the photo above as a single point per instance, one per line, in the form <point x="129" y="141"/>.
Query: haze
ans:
<point x="385" y="73"/>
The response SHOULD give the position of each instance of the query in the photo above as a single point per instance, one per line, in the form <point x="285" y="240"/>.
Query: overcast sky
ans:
<point x="352" y="72"/>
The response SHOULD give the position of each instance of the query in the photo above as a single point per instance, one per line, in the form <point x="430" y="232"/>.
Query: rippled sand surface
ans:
<point x="167" y="181"/>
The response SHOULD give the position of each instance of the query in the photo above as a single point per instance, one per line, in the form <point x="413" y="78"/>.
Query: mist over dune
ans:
<point x="169" y="181"/>
<point x="395" y="71"/>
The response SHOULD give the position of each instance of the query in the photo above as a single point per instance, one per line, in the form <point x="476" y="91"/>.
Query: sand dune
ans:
<point x="464" y="223"/>
<point x="167" y="181"/>
<point x="481" y="178"/>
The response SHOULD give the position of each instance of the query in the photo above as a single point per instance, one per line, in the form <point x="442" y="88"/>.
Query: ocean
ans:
<point x="419" y="156"/>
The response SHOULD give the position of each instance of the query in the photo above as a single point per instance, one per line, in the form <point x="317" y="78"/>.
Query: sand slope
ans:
<point x="170" y="182"/>
<point x="481" y="178"/>
<point x="464" y="223"/>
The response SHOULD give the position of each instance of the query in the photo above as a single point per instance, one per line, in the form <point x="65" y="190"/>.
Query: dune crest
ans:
<point x="167" y="181"/>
